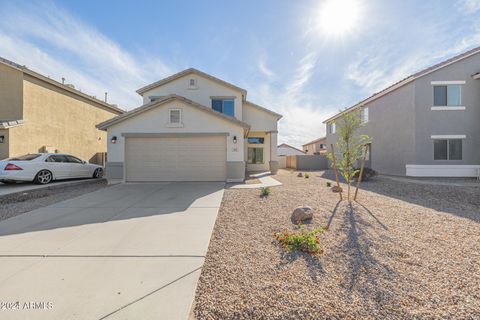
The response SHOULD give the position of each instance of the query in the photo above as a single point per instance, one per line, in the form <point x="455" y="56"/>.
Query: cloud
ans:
<point x="76" y="51"/>
<point x="264" y="69"/>
<point x="379" y="66"/>
<point x="302" y="114"/>
<point x="468" y="6"/>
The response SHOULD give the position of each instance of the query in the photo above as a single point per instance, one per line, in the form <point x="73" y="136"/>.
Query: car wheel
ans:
<point x="98" y="173"/>
<point x="43" y="177"/>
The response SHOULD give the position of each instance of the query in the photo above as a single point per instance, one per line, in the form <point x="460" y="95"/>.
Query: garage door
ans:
<point x="176" y="159"/>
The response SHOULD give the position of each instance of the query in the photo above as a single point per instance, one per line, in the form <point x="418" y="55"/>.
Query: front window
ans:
<point x="225" y="106"/>
<point x="255" y="155"/>
<point x="447" y="95"/>
<point x="447" y="149"/>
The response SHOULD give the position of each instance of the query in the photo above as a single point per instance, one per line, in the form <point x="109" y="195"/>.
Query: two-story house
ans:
<point x="426" y="124"/>
<point x="39" y="114"/>
<point x="191" y="127"/>
<point x="316" y="147"/>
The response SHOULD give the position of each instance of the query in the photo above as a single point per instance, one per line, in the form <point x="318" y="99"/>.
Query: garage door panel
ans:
<point x="176" y="159"/>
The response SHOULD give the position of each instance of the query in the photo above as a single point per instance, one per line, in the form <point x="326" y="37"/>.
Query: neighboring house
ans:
<point x="426" y="124"/>
<point x="38" y="114"/>
<point x="287" y="150"/>
<point x="317" y="146"/>
<point x="192" y="127"/>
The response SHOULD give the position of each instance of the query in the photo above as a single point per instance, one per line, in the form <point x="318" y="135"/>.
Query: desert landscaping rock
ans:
<point x="406" y="251"/>
<point x="300" y="175"/>
<point x="302" y="214"/>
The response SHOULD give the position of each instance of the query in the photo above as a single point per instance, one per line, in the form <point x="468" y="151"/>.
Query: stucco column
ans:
<point x="273" y="153"/>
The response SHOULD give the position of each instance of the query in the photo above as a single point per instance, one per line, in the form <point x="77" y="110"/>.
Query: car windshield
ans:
<point x="26" y="157"/>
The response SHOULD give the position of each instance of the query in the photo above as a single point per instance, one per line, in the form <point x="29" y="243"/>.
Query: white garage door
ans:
<point x="190" y="158"/>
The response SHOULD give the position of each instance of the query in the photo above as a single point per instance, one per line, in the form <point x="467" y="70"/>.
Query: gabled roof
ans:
<point x="408" y="79"/>
<point x="314" y="141"/>
<point x="172" y="97"/>
<point x="39" y="76"/>
<point x="187" y="72"/>
<point x="277" y="115"/>
<point x="289" y="146"/>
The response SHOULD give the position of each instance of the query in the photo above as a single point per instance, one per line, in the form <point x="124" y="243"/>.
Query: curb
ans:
<point x="53" y="186"/>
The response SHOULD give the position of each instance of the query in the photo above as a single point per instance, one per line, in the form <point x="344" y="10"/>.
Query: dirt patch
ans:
<point x="402" y="251"/>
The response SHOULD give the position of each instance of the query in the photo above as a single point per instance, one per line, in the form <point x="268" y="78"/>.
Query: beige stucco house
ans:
<point x="317" y="146"/>
<point x="192" y="127"/>
<point x="38" y="114"/>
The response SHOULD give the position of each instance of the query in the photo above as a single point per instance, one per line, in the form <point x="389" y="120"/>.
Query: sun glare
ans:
<point x="339" y="17"/>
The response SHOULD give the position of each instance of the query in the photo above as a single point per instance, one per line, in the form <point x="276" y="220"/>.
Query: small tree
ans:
<point x="350" y="145"/>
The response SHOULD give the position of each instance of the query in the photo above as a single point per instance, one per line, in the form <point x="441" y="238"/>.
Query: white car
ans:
<point x="43" y="168"/>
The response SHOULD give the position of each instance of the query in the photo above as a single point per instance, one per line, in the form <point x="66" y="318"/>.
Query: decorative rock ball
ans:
<point x="337" y="189"/>
<point x="302" y="214"/>
<point x="300" y="175"/>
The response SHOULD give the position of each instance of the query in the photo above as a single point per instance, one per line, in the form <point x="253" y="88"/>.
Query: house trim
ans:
<point x="187" y="72"/>
<point x="448" y="136"/>
<point x="57" y="84"/>
<point x="173" y="97"/>
<point x="172" y="134"/>
<point x="447" y="108"/>
<point x="417" y="170"/>
<point x="443" y="83"/>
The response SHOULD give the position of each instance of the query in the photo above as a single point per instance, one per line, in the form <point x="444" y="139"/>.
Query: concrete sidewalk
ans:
<point x="131" y="251"/>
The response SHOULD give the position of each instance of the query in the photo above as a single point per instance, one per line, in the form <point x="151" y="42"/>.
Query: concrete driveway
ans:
<point x="130" y="251"/>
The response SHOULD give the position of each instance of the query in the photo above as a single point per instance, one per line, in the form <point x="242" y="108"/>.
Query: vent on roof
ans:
<point x="70" y="85"/>
<point x="192" y="83"/>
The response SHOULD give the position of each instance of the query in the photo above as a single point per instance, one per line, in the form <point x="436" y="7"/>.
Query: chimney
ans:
<point x="63" y="80"/>
<point x="106" y="94"/>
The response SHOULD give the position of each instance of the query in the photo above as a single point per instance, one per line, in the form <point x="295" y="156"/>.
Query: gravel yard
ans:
<point x="16" y="204"/>
<point x="403" y="251"/>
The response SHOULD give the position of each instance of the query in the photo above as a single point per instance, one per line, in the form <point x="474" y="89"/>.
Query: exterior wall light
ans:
<point x="234" y="139"/>
<point x="114" y="139"/>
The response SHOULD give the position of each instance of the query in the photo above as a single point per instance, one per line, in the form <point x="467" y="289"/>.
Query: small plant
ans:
<point x="303" y="240"/>
<point x="307" y="176"/>
<point x="329" y="184"/>
<point x="264" y="192"/>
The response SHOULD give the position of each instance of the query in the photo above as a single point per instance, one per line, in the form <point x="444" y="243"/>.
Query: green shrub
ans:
<point x="302" y="240"/>
<point x="329" y="184"/>
<point x="264" y="191"/>
<point x="307" y="176"/>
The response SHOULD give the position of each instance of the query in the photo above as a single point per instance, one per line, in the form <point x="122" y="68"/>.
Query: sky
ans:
<point x="304" y="59"/>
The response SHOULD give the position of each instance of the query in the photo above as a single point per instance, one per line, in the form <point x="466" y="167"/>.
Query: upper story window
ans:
<point x="447" y="95"/>
<point x="364" y="114"/>
<point x="332" y="128"/>
<point x="225" y="106"/>
<point x="175" y="116"/>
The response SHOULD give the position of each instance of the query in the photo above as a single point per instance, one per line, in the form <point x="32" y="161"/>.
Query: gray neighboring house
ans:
<point x="427" y="124"/>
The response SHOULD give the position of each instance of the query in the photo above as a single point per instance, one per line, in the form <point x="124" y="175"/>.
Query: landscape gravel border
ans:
<point x="403" y="251"/>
